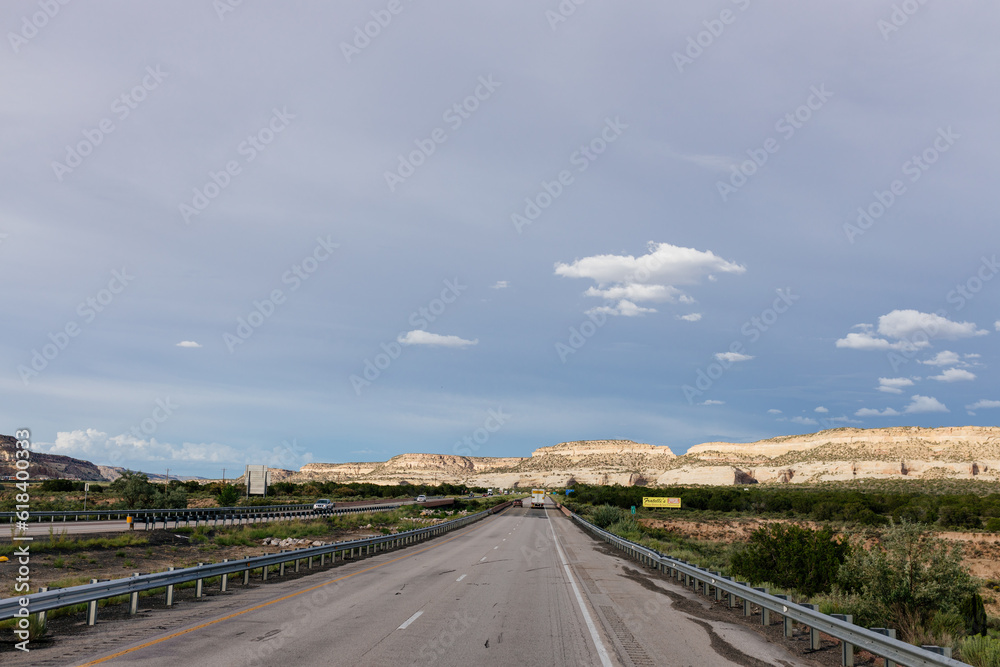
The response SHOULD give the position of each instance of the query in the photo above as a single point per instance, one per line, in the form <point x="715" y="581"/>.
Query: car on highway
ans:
<point x="421" y="498"/>
<point x="323" y="504"/>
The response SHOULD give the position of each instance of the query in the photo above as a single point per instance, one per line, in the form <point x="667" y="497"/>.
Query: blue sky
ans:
<point x="318" y="232"/>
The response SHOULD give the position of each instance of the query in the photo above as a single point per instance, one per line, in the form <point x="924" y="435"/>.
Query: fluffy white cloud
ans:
<point x="624" y="308"/>
<point x="820" y="409"/>
<point x="865" y="340"/>
<point x="893" y="385"/>
<point x="690" y="317"/>
<point x="420" y="337"/>
<point x="996" y="325"/>
<point x="982" y="404"/>
<point x="869" y="412"/>
<point x="653" y="277"/>
<point x="500" y="284"/>
<point x="774" y="411"/>
<point x="911" y="330"/>
<point x="906" y="323"/>
<point x="924" y="404"/>
<point x="732" y="356"/>
<point x="188" y="343"/>
<point x="943" y="358"/>
<point x="127" y="450"/>
<point x="713" y="402"/>
<point x="807" y="421"/>
<point x="954" y="375"/>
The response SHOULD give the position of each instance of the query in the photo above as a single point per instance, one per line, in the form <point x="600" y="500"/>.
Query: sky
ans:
<point x="256" y="233"/>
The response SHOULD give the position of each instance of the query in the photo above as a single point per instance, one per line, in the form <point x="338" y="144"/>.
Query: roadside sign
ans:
<point x="660" y="501"/>
<point x="633" y="509"/>
<point x="86" y="486"/>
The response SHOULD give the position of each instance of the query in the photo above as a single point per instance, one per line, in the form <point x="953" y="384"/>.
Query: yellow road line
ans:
<point x="281" y="599"/>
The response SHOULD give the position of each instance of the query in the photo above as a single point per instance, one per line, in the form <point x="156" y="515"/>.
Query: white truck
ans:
<point x="538" y="498"/>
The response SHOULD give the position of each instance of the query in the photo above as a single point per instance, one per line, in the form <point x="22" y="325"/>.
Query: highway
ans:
<point x="525" y="587"/>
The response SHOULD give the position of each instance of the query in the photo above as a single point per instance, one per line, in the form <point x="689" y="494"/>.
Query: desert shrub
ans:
<point x="792" y="557"/>
<point x="993" y="525"/>
<point x="227" y="496"/>
<point x="605" y="515"/>
<point x="980" y="651"/>
<point x="626" y="527"/>
<point x="907" y="579"/>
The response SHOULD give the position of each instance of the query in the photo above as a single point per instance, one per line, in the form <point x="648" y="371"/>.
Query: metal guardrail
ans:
<point x="849" y="634"/>
<point x="90" y="593"/>
<point x="203" y="512"/>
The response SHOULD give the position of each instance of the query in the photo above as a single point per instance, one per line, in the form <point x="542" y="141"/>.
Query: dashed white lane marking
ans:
<point x="497" y="547"/>
<point x="601" y="651"/>
<point x="482" y="559"/>
<point x="410" y="620"/>
<point x="462" y="577"/>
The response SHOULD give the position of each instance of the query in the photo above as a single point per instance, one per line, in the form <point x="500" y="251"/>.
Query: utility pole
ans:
<point x="223" y="476"/>
<point x="166" y="482"/>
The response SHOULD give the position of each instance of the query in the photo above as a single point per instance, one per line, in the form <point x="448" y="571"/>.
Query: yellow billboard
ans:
<point x="660" y="501"/>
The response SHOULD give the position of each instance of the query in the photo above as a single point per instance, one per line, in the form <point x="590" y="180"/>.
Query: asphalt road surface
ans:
<point x="526" y="587"/>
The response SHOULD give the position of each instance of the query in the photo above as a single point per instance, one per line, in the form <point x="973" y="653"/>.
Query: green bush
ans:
<point x="605" y="515"/>
<point x="974" y="614"/>
<point x="227" y="496"/>
<point x="909" y="578"/>
<point x="792" y="557"/>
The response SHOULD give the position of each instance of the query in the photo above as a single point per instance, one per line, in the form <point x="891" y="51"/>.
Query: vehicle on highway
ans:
<point x="421" y="498"/>
<point x="538" y="498"/>
<point x="517" y="503"/>
<point x="323" y="504"/>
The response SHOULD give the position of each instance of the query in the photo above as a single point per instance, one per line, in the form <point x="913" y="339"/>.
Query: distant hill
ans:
<point x="55" y="466"/>
<point x="47" y="466"/>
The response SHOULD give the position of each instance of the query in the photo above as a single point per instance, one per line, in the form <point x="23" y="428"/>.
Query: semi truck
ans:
<point x="538" y="498"/>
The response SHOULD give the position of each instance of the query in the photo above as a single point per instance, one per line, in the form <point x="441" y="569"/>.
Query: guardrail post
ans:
<point x="281" y="567"/>
<point x="246" y="577"/>
<point x="746" y="603"/>
<point x="732" y="598"/>
<point x="92" y="609"/>
<point x="888" y="632"/>
<point x="224" y="579"/>
<point x="940" y="650"/>
<point x="310" y="566"/>
<point x="765" y="613"/>
<point x="813" y="632"/>
<point x="846" y="649"/>
<point x="170" y="590"/>
<point x="297" y="564"/>
<point x="786" y="621"/>
<point x="198" y="584"/>
<point x="133" y="602"/>
<point x="263" y="576"/>
<point x="42" y="615"/>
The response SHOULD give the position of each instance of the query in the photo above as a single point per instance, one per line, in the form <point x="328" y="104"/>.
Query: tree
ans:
<point x="792" y="557"/>
<point x="134" y="488"/>
<point x="974" y="612"/>
<point x="227" y="496"/>
<point x="911" y="575"/>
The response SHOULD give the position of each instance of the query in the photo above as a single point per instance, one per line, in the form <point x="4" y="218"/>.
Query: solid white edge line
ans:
<point x="601" y="651"/>
<point x="410" y="620"/>
<point x="462" y="577"/>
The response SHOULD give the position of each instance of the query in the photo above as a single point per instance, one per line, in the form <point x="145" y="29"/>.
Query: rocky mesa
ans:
<point x="966" y="452"/>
